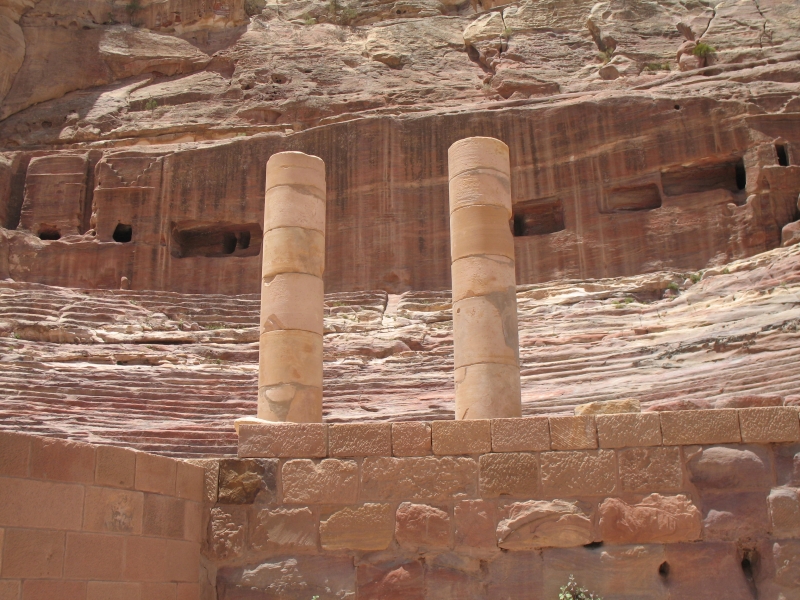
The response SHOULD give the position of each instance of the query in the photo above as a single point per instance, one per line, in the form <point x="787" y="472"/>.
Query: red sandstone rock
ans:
<point x="420" y="527"/>
<point x="542" y="524"/>
<point x="656" y="519"/>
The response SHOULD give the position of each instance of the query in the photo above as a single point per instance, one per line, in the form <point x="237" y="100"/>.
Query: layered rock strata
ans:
<point x="485" y="331"/>
<point x="292" y="293"/>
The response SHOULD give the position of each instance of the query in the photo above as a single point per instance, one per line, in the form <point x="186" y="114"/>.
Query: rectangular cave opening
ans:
<point x="49" y="232"/>
<point x="731" y="176"/>
<point x="215" y="239"/>
<point x="783" y="155"/>
<point x="537" y="217"/>
<point x="631" y="199"/>
<point x="123" y="233"/>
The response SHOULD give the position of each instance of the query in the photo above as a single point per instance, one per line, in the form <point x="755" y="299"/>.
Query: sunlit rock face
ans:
<point x="137" y="150"/>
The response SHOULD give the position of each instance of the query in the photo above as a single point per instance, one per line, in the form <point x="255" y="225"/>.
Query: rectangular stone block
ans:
<point x="411" y="439"/>
<point x="650" y="469"/>
<point x="360" y="439"/>
<point x="40" y="504"/>
<point x="283" y="440"/>
<point x="573" y="433"/>
<point x="328" y="482"/>
<point x="369" y="527"/>
<point x="461" y="437"/>
<point x="10" y="589"/>
<point x="32" y="554"/>
<point x="15" y="451"/>
<point x="94" y="556"/>
<point x="769" y="424"/>
<point x="158" y="591"/>
<point x="110" y="590"/>
<point x="513" y="474"/>
<point x="183" y="561"/>
<point x="155" y="473"/>
<point x="426" y="478"/>
<point x="189" y="481"/>
<point x="283" y="530"/>
<point x="146" y="559"/>
<point x="522" y="434"/>
<point x="587" y="473"/>
<point x="193" y="522"/>
<point x="109" y="510"/>
<point x="62" y="460"/>
<point x="115" y="467"/>
<point x="188" y="591"/>
<point x="684" y="427"/>
<point x="210" y="479"/>
<point x="475" y="527"/>
<point x="52" y="590"/>
<point x="163" y="516"/>
<point x="628" y="429"/>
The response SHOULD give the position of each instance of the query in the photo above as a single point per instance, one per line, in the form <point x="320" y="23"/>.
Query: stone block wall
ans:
<point x="85" y="522"/>
<point x="688" y="504"/>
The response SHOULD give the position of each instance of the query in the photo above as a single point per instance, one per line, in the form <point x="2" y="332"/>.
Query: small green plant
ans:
<point x="703" y="50"/>
<point x="673" y="286"/>
<point x="507" y="32"/>
<point x="657" y="67"/>
<point x="572" y="591"/>
<point x="726" y="271"/>
<point x="695" y="277"/>
<point x="348" y="15"/>
<point x="606" y="55"/>
<point x="133" y="7"/>
<point x="309" y="21"/>
<point x="151" y="104"/>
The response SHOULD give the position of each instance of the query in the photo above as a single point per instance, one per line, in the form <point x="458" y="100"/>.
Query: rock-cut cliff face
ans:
<point x="644" y="135"/>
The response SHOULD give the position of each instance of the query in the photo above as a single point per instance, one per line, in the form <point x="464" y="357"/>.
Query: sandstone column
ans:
<point x="485" y="332"/>
<point x="290" y="349"/>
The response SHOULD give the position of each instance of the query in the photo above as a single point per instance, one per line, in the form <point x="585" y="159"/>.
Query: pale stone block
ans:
<point x="480" y="230"/>
<point x="573" y="433"/>
<point x="461" y="437"/>
<point x="426" y="479"/>
<point x="485" y="331"/>
<point x="189" y="481"/>
<point x="163" y="516"/>
<point x="478" y="153"/>
<point x="292" y="301"/>
<point x="411" y="439"/>
<point x="482" y="275"/>
<point x="480" y="187"/>
<point x="283" y="440"/>
<point x="587" y="473"/>
<point x="609" y="407"/>
<point x="683" y="427"/>
<point x="475" y="527"/>
<point x="650" y="469"/>
<point x="293" y="206"/>
<point x="485" y="391"/>
<point x="290" y="403"/>
<point x="655" y="520"/>
<point x="327" y="482"/>
<point x="295" y="168"/>
<point x="769" y="424"/>
<point x="293" y="250"/>
<point x="522" y="434"/>
<point x="369" y="527"/>
<point x="633" y="429"/>
<point x="113" y="510"/>
<point x="514" y="474"/>
<point x="115" y="467"/>
<point x="360" y="439"/>
<point x="284" y="530"/>
<point x="291" y="356"/>
<point x="784" y="511"/>
<point x="420" y="527"/>
<point x="544" y="523"/>
<point x="155" y="473"/>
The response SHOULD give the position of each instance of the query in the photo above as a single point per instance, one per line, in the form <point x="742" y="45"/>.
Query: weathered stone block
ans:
<point x="787" y="464"/>
<point x="784" y="511"/>
<point x="62" y="460"/>
<point x="327" y="482"/>
<point x="113" y="510"/>
<point x="155" y="473"/>
<point x="544" y="523"/>
<point x="426" y="478"/>
<point x="521" y="434"/>
<point x="609" y="407"/>
<point x="283" y="530"/>
<point x="45" y="504"/>
<point x="480" y="230"/>
<point x="398" y="579"/>
<point x="515" y="576"/>
<point x="650" y="469"/>
<point x="368" y="527"/>
<point x="461" y="437"/>
<point x="94" y="556"/>
<point x="655" y="520"/>
<point x="33" y="554"/>
<point x="475" y="525"/>
<point x="420" y="527"/>
<point x="15" y="452"/>
<point x="163" y="516"/>
<point x="513" y="474"/>
<point x="689" y="575"/>
<point x="769" y="424"/>
<point x="733" y="516"/>
<point x="360" y="439"/>
<point x="448" y="581"/>
<point x="283" y="440"/>
<point x="729" y="467"/>
<point x="190" y="481"/>
<point x="632" y="429"/>
<point x="587" y="473"/>
<point x="43" y="589"/>
<point x="411" y="439"/>
<point x="241" y="481"/>
<point x="193" y="525"/>
<point x="115" y="467"/>
<point x="227" y="532"/>
<point x="573" y="433"/>
<point x="682" y="427"/>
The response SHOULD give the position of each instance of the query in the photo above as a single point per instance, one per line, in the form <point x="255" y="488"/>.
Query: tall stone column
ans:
<point x="485" y="332"/>
<point x="292" y="296"/>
